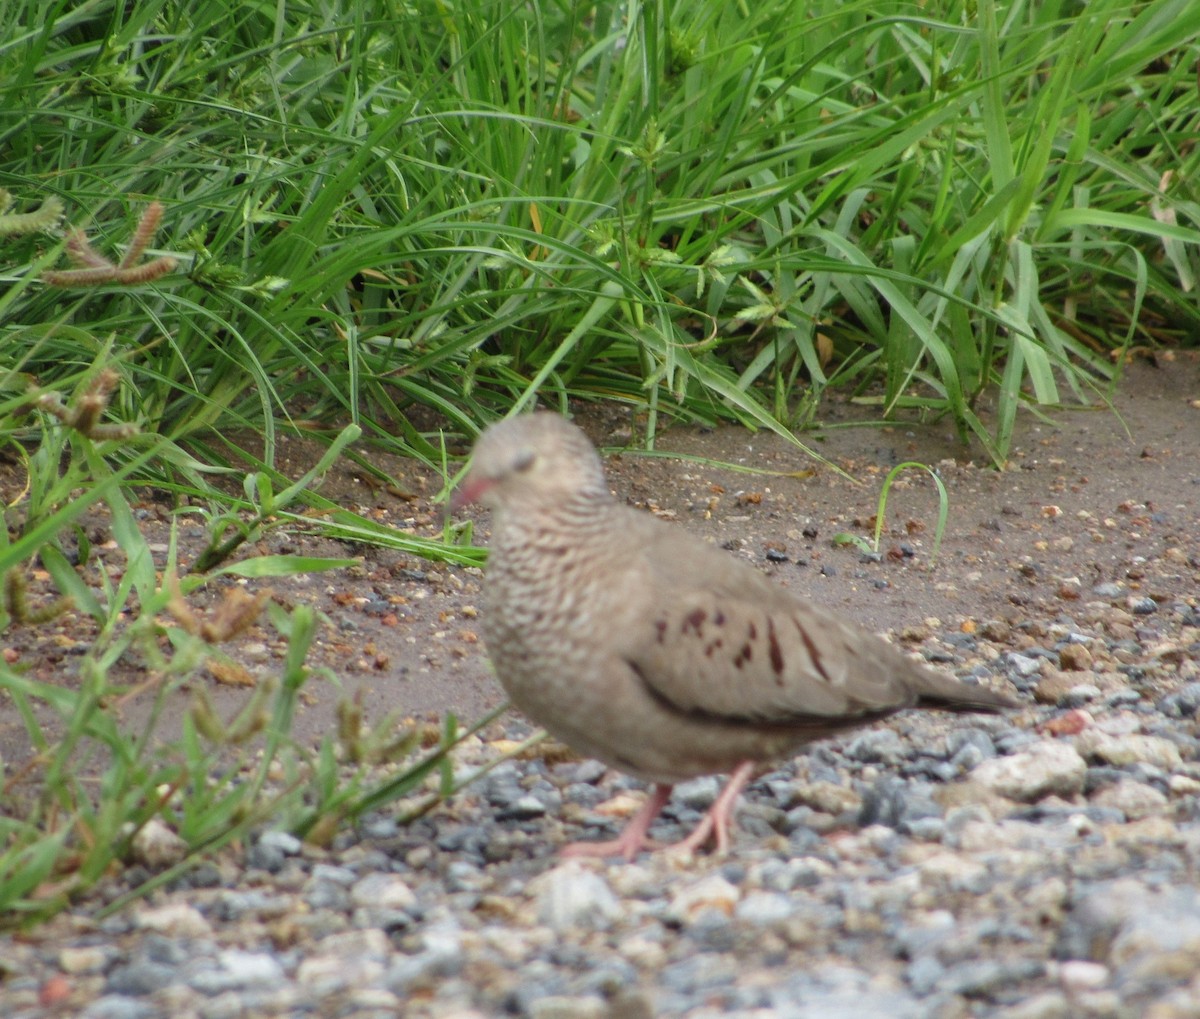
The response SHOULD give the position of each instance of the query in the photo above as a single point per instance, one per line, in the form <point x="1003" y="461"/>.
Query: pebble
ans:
<point x="1033" y="866"/>
<point x="1125" y="749"/>
<point x="570" y="897"/>
<point x="157" y="846"/>
<point x="1135" y="800"/>
<point x="1043" y="769"/>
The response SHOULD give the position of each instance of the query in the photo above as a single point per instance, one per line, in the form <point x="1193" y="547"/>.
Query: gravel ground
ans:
<point x="1037" y="865"/>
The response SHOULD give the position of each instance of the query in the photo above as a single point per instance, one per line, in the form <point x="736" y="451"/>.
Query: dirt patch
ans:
<point x="1091" y="498"/>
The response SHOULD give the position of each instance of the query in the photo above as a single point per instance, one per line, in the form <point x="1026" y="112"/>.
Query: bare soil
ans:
<point x="1090" y="497"/>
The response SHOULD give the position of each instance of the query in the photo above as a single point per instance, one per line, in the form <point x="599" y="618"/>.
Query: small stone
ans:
<point x="1069" y="723"/>
<point x="383" y="891"/>
<point x="1069" y="589"/>
<point x="83" y="959"/>
<point x="1043" y="769"/>
<point x="1079" y="975"/>
<point x="1182" y="703"/>
<point x="997" y="630"/>
<point x="979" y="978"/>
<point x="175" y="919"/>
<point x="1142" y="606"/>
<point x="369" y="943"/>
<point x="1128" y="748"/>
<point x="955" y="872"/>
<point x="698" y="793"/>
<point x="1048" y="1005"/>
<point x="877" y="746"/>
<point x="139" y="977"/>
<point x="711" y="892"/>
<point x="1135" y="800"/>
<point x="325" y="975"/>
<point x="376" y="999"/>
<point x="119" y="1006"/>
<point x="1023" y="665"/>
<point x="1183" y="785"/>
<point x="1081" y="693"/>
<point x="1074" y="658"/>
<point x="238" y="970"/>
<point x="526" y="807"/>
<point x="554" y="1006"/>
<point x="156" y="846"/>
<point x="569" y="897"/>
<point x="828" y="797"/>
<point x="764" y="909"/>
<point x="284" y="841"/>
<point x="1054" y="687"/>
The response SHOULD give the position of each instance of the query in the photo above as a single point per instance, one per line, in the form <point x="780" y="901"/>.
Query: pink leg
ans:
<point x="631" y="841"/>
<point x="716" y="822"/>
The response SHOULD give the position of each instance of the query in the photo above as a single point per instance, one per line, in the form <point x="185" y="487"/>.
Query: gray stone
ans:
<point x="764" y="909"/>
<point x="978" y="978"/>
<point x="237" y="969"/>
<point x="139" y="977"/>
<point x="698" y="793"/>
<point x="116" y="1006"/>
<point x="877" y="746"/>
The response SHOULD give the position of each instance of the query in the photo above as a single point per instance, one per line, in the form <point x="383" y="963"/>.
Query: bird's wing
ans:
<point x="712" y="635"/>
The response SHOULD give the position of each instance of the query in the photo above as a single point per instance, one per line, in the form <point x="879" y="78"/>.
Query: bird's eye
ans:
<point x="524" y="460"/>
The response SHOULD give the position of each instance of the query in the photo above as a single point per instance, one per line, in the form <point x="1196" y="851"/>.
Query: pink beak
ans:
<point x="469" y="490"/>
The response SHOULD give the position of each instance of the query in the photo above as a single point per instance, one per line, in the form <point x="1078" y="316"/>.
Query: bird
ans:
<point x="637" y="643"/>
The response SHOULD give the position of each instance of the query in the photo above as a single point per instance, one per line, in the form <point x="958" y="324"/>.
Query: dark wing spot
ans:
<point x="813" y="653"/>
<point x="693" y="621"/>
<point x="712" y="646"/>
<point x="775" y="650"/>
<point x="753" y="632"/>
<point x="719" y="618"/>
<point x="660" y="628"/>
<point x="743" y="656"/>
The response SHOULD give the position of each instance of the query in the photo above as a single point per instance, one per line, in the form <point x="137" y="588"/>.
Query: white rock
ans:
<point x="368" y="943"/>
<point x="156" y="846"/>
<point x="331" y="973"/>
<point x="569" y="897"/>
<point x="383" y="891"/>
<point x="1125" y="749"/>
<point x="1135" y="800"/>
<point x="175" y="919"/>
<point x="1078" y="975"/>
<point x="712" y="891"/>
<point x="83" y="959"/>
<point x="245" y="969"/>
<point x="1042" y="769"/>
<point x="955" y="872"/>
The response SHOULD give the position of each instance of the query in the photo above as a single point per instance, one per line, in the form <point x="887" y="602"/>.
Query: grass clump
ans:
<point x="710" y="210"/>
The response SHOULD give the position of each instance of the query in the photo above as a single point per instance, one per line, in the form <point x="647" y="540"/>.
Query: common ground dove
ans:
<point x="637" y="643"/>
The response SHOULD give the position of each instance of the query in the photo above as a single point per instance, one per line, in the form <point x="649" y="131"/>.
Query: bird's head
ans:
<point x="540" y="458"/>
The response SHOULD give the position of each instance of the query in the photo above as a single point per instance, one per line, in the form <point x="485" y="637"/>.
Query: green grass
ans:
<point x="382" y="204"/>
<point x="391" y="222"/>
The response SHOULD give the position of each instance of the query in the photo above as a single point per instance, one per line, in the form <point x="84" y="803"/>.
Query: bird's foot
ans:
<point x="716" y="823"/>
<point x="633" y="839"/>
<point x="624" y="845"/>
